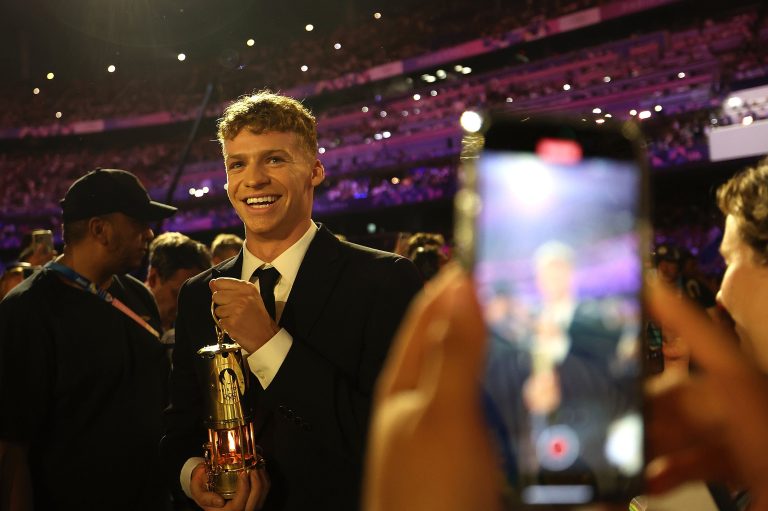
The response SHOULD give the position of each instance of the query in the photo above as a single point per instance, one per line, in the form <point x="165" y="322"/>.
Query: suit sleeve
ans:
<point x="184" y="433"/>
<point x="334" y="403"/>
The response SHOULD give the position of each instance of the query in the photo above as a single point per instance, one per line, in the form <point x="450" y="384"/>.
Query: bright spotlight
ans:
<point x="441" y="74"/>
<point x="182" y="57"/>
<point x="658" y="108"/>
<point x="471" y="121"/>
<point x="633" y="112"/>
<point x="567" y="86"/>
<point x="433" y="93"/>
<point x="735" y="102"/>
<point x="35" y="91"/>
<point x="321" y="150"/>
<point x="644" y="114"/>
<point x="111" y="68"/>
<point x="746" y="121"/>
<point x="58" y="115"/>
<point x="596" y="111"/>
<point x="681" y="75"/>
<point x="466" y="70"/>
<point x="304" y="68"/>
<point x="337" y="46"/>
<point x="49" y="76"/>
<point x="377" y="15"/>
<point x="310" y="27"/>
<point x="416" y="97"/>
<point x="364" y="109"/>
<point x="607" y="79"/>
<point x="250" y="42"/>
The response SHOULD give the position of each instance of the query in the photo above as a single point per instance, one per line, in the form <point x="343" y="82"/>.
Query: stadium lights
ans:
<point x="607" y="79"/>
<point x="304" y="68"/>
<point x="458" y="68"/>
<point x="386" y="134"/>
<point x="466" y="70"/>
<point x="364" y="109"/>
<point x="111" y="68"/>
<point x="416" y="97"/>
<point x="395" y="181"/>
<point x="250" y="42"/>
<point x="510" y="99"/>
<point x="658" y="108"/>
<point x="377" y="136"/>
<point x="433" y="93"/>
<point x="633" y="112"/>
<point x="321" y="150"/>
<point x="182" y="57"/>
<point x="644" y="114"/>
<point x="337" y="46"/>
<point x="681" y="75"/>
<point x="596" y="111"/>
<point x="599" y="121"/>
<point x="471" y="121"/>
<point x="608" y="116"/>
<point x="310" y="27"/>
<point x="58" y="115"/>
<point x="441" y="74"/>
<point x="567" y="86"/>
<point x="383" y="113"/>
<point x="49" y="76"/>
<point x="36" y="91"/>
<point x="377" y="15"/>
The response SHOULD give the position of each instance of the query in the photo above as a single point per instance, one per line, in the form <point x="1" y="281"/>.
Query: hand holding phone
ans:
<point x="550" y="222"/>
<point x="42" y="247"/>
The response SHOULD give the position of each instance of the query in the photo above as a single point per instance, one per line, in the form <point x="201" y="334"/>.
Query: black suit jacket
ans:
<point x="311" y="421"/>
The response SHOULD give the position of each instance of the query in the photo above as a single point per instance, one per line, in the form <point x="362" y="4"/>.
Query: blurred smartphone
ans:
<point x="550" y="221"/>
<point x="43" y="237"/>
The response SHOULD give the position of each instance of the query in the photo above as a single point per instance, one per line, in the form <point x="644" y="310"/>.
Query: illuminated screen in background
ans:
<point x="558" y="272"/>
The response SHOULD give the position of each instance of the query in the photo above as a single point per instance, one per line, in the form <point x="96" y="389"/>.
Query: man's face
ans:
<point x="270" y="181"/>
<point x="744" y="292"/>
<point x="166" y="292"/>
<point x="128" y="242"/>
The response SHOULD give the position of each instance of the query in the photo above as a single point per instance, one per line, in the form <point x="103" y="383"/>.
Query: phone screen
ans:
<point x="558" y="268"/>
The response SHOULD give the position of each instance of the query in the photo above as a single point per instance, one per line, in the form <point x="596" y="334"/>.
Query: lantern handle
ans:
<point x="218" y="327"/>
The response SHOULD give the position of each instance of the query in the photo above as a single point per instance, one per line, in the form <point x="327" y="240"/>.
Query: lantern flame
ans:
<point x="231" y="438"/>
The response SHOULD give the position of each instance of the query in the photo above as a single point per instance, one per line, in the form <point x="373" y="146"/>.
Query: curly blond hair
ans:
<point x="265" y="111"/>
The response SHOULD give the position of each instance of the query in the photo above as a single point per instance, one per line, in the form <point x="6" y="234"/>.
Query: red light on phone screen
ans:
<point x="554" y="150"/>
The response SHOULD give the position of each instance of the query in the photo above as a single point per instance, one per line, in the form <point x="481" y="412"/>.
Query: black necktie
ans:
<point x="267" y="280"/>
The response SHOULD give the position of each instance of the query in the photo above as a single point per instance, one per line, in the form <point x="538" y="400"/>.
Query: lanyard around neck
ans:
<point x="86" y="285"/>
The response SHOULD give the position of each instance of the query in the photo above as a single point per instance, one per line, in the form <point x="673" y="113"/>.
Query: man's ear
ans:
<point x="153" y="278"/>
<point x="100" y="229"/>
<point x="318" y="173"/>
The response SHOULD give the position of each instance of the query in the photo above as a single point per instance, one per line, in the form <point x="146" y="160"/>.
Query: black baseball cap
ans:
<point x="104" y="191"/>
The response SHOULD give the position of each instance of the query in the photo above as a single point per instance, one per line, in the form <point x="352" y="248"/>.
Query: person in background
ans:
<point x="13" y="276"/>
<point x="225" y="246"/>
<point x="83" y="376"/>
<point x="173" y="258"/>
<point x="425" y="249"/>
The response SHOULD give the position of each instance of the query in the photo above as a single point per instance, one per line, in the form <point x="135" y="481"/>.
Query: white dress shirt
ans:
<point x="266" y="361"/>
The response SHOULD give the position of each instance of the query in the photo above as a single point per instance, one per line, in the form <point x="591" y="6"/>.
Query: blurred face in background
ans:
<point x="744" y="292"/>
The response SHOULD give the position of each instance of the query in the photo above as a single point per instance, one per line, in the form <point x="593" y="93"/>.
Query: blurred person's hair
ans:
<point x="424" y="239"/>
<point x="745" y="196"/>
<point x="173" y="251"/>
<point x="265" y="111"/>
<point x="225" y="243"/>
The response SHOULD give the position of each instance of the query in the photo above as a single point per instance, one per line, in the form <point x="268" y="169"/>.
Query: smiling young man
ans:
<point x="314" y="345"/>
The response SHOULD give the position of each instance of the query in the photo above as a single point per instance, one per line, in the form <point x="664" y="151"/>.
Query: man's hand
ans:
<point x="252" y="489"/>
<point x="241" y="313"/>
<point x="541" y="392"/>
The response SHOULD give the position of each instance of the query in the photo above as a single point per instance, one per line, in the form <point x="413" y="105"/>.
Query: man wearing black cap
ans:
<point x="82" y="372"/>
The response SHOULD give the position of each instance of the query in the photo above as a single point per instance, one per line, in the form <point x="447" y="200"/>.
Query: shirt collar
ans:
<point x="287" y="263"/>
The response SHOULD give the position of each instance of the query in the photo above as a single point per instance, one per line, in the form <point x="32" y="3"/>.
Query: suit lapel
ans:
<point x="313" y="285"/>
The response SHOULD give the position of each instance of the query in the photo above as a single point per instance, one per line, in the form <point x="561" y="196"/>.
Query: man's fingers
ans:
<point x="712" y="347"/>
<point x="228" y="284"/>
<point x="693" y="464"/>
<point x="259" y="489"/>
